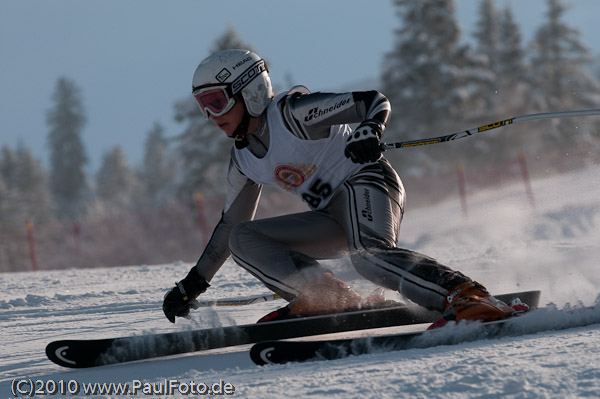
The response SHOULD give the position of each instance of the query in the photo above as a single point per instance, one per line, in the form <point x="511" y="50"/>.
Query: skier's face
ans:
<point x="231" y="120"/>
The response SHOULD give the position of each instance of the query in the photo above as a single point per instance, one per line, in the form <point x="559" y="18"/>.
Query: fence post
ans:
<point x="462" y="188"/>
<point x="201" y="217"/>
<point x="30" y="240"/>
<point x="526" y="180"/>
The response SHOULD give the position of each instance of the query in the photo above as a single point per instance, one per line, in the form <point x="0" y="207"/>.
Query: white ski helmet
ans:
<point x="232" y="71"/>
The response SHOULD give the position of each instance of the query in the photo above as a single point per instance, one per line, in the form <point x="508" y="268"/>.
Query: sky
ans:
<point x="133" y="60"/>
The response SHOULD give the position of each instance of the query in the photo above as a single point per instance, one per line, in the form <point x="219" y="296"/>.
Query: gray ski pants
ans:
<point x="363" y="220"/>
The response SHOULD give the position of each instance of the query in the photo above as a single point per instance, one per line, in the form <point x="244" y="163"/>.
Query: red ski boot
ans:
<point x="324" y="295"/>
<point x="472" y="301"/>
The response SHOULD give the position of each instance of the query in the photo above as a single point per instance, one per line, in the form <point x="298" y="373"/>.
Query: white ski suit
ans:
<point x="355" y="209"/>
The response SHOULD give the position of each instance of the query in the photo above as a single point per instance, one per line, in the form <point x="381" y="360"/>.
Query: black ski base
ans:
<point x="98" y="352"/>
<point x="281" y="352"/>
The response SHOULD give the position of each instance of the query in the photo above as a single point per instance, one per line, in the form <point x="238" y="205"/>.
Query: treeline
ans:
<point x="438" y="81"/>
<point x="438" y="85"/>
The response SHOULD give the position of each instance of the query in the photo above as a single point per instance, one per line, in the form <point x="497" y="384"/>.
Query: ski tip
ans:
<point x="60" y="353"/>
<point x="77" y="354"/>
<point x="281" y="352"/>
<point x="262" y="353"/>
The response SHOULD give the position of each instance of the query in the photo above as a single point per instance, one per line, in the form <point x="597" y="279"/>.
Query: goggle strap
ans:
<point x="248" y="76"/>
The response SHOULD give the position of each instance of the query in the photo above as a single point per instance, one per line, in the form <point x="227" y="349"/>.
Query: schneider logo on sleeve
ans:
<point x="317" y="112"/>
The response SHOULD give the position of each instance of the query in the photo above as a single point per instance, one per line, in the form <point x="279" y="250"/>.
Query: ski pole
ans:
<point x="236" y="301"/>
<point x="485" y="128"/>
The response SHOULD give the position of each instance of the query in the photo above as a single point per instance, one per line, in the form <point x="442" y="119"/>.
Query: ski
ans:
<point x="97" y="352"/>
<point x="281" y="352"/>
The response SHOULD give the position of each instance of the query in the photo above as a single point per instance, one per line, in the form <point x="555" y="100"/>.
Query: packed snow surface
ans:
<point x="505" y="242"/>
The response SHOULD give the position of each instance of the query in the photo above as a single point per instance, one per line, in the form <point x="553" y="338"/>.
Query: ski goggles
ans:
<point x="215" y="100"/>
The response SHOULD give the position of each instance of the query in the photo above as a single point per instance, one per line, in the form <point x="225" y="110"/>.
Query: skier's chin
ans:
<point x="227" y="128"/>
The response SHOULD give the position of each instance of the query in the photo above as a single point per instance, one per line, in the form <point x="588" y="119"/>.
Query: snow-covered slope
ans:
<point x="504" y="243"/>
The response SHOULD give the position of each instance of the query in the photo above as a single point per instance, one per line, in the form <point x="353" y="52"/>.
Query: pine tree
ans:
<point x="9" y="197"/>
<point x="158" y="169"/>
<point x="487" y="36"/>
<point x="4" y="202"/>
<point x="430" y="78"/>
<point x="204" y="149"/>
<point x="32" y="182"/>
<point x="559" y="74"/>
<point x="67" y="154"/>
<point x="511" y="55"/>
<point x="487" y="33"/>
<point x="230" y="40"/>
<point x="117" y="184"/>
<point x="498" y="38"/>
<point x="24" y="194"/>
<point x="8" y="165"/>
<point x="429" y="72"/>
<point x="558" y="64"/>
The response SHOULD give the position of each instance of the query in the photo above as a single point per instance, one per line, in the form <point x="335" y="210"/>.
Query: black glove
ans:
<point x="181" y="298"/>
<point x="364" y="144"/>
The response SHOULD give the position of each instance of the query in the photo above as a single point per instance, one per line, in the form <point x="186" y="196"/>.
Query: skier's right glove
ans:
<point x="363" y="145"/>
<point x="180" y="300"/>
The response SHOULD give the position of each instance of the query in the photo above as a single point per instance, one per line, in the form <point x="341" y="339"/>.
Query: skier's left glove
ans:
<point x="364" y="144"/>
<point x="181" y="299"/>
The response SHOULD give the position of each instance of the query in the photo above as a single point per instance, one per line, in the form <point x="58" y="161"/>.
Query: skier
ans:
<point x="301" y="142"/>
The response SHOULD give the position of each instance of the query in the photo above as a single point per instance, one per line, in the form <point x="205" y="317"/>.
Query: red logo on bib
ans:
<point x="292" y="176"/>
